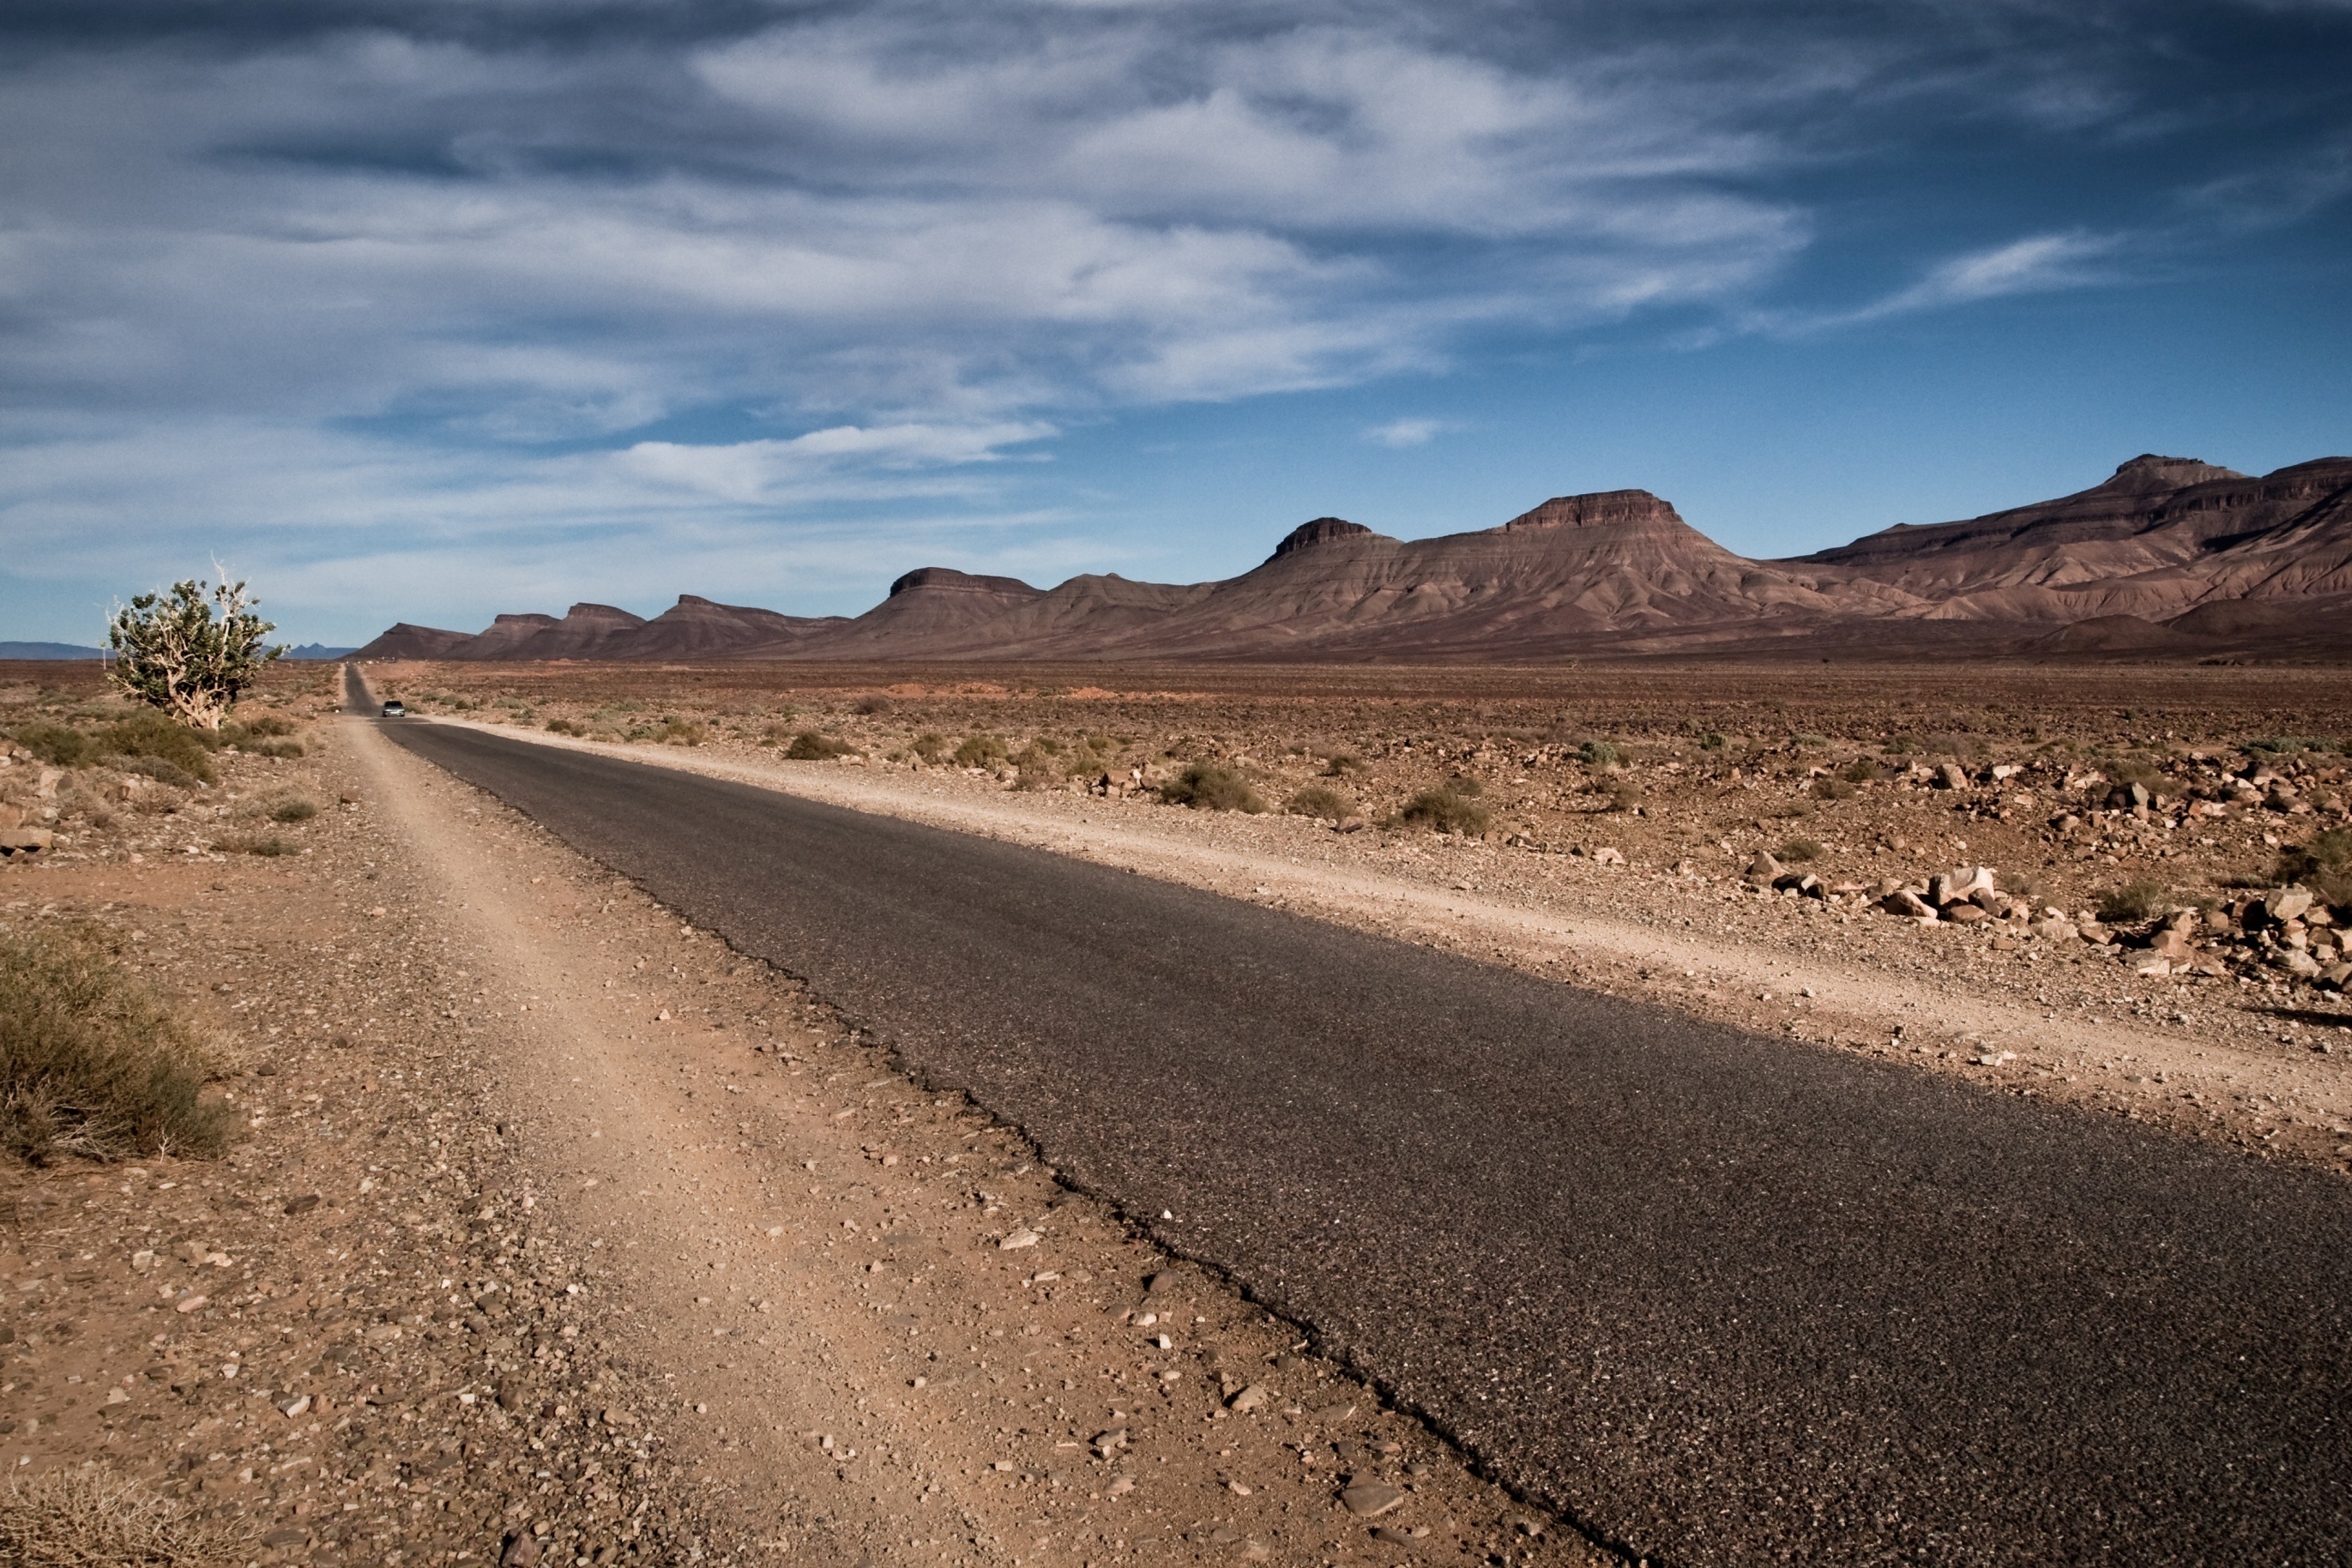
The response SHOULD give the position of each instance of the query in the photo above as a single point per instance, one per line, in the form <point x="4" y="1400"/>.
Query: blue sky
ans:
<point x="427" y="310"/>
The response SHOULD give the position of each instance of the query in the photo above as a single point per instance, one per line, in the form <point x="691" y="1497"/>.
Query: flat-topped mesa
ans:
<point x="1602" y="509"/>
<point x="2149" y="473"/>
<point x="948" y="579"/>
<point x="1322" y="531"/>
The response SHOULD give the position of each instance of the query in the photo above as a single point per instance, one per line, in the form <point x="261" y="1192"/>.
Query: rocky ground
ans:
<point x="555" y="1232"/>
<point x="2067" y="885"/>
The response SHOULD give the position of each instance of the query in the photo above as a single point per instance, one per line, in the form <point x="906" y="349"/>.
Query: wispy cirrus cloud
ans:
<point x="532" y="275"/>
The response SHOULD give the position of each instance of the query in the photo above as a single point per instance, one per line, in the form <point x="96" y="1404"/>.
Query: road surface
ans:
<point x="1719" y="1298"/>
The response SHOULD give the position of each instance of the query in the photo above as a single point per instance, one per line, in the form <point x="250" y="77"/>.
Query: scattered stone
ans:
<point x="1764" y="870"/>
<point x="302" y="1204"/>
<point x="1607" y="857"/>
<point x="1950" y="776"/>
<point x="1251" y="1398"/>
<point x="1366" y="1499"/>
<point x="1019" y="1239"/>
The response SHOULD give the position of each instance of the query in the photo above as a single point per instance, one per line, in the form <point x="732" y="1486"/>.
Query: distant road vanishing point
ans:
<point x="1722" y="1299"/>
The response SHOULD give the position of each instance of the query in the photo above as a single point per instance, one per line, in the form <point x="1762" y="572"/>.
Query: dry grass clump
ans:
<point x="92" y="1062"/>
<point x="294" y="808"/>
<point x="1450" y="808"/>
<point x="808" y="746"/>
<point x="93" y="1519"/>
<point x="1322" y="803"/>
<point x="982" y="751"/>
<point x="2139" y="900"/>
<point x="930" y="745"/>
<point x="1209" y="786"/>
<point x="2324" y="864"/>
<point x="1797" y="851"/>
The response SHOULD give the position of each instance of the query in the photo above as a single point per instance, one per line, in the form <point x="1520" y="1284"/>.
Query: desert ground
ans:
<point x="554" y="1231"/>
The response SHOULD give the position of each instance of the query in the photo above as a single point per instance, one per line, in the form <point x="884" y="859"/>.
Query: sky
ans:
<point x="430" y="309"/>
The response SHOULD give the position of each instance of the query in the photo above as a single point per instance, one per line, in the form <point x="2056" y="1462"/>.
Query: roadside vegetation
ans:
<point x="92" y="1062"/>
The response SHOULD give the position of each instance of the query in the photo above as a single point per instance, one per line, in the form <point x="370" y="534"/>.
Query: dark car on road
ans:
<point x="395" y="710"/>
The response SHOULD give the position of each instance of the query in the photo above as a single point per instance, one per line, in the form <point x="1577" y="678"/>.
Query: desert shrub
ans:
<point x="681" y="733"/>
<point x="268" y="725"/>
<point x="75" y="1518"/>
<point x="294" y="810"/>
<point x="930" y="746"/>
<point x="1797" y="851"/>
<point x="1833" y="789"/>
<point x="2287" y="745"/>
<point x="2138" y="901"/>
<point x="1809" y="743"/>
<point x="92" y="1062"/>
<point x="564" y="727"/>
<point x="982" y="751"/>
<point x="1597" y="754"/>
<point x="284" y="751"/>
<point x="2027" y="886"/>
<point x="1450" y="808"/>
<point x="872" y="703"/>
<point x="2324" y="864"/>
<point x="808" y="746"/>
<point x="1209" y="786"/>
<point x="1861" y="771"/>
<point x="161" y="772"/>
<point x="60" y="745"/>
<point x="1321" y="801"/>
<point x="267" y="845"/>
<point x="1039" y="758"/>
<point x="1712" y="741"/>
<point x="1625" y="795"/>
<point x="1343" y="765"/>
<point x="175" y="653"/>
<point x="148" y="733"/>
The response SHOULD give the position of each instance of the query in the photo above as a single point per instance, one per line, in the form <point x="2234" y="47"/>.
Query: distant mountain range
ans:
<point x="47" y="650"/>
<point x="2170" y="556"/>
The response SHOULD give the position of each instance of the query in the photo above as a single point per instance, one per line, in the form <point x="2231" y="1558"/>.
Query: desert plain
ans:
<point x="555" y="1231"/>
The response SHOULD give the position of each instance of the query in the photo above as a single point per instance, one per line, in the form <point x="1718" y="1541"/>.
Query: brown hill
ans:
<point x="699" y="628"/>
<point x="401" y="640"/>
<point x="2161" y="537"/>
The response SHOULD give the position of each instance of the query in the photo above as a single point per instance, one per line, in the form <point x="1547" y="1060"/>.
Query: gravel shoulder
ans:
<point x="560" y="1233"/>
<point x="2072" y="1027"/>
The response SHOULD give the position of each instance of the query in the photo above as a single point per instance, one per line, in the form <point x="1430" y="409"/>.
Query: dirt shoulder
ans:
<point x="2223" y="1060"/>
<point x="557" y="1232"/>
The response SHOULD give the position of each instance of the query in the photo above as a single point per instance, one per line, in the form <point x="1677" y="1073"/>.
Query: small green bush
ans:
<point x="1861" y="771"/>
<point x="808" y="746"/>
<point x="60" y="745"/>
<point x="1712" y="741"/>
<point x="2140" y="901"/>
<point x="284" y="751"/>
<point x="563" y="727"/>
<point x="982" y="751"/>
<point x="873" y="704"/>
<point x="1625" y="795"/>
<point x="293" y="811"/>
<point x="1450" y="808"/>
<point x="268" y="725"/>
<point x="1343" y="765"/>
<point x="1833" y="789"/>
<point x="1208" y="786"/>
<point x="1322" y="803"/>
<point x="93" y="1063"/>
<point x="148" y="733"/>
<point x="930" y="746"/>
<point x="1797" y="851"/>
<point x="1597" y="754"/>
<point x="681" y="733"/>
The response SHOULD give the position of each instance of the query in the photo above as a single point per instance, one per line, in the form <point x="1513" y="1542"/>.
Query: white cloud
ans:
<point x="1408" y="432"/>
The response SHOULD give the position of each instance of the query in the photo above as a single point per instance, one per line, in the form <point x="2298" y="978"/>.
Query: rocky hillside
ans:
<point x="2171" y="557"/>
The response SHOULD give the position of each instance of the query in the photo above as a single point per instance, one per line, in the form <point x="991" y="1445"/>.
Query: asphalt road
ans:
<point x="1722" y="1299"/>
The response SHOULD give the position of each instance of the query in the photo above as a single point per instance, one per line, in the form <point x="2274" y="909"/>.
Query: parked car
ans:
<point x="395" y="709"/>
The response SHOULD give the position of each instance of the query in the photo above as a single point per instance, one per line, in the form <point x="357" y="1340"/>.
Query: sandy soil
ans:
<point x="2248" y="1065"/>
<point x="558" y="1232"/>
